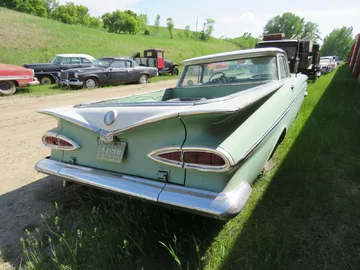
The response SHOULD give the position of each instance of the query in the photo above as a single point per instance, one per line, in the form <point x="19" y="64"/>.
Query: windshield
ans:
<point x="103" y="62"/>
<point x="57" y="60"/>
<point x="231" y="71"/>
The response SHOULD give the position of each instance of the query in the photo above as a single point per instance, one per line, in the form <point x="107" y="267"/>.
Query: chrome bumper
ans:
<point x="34" y="82"/>
<point x="217" y="205"/>
<point x="70" y="83"/>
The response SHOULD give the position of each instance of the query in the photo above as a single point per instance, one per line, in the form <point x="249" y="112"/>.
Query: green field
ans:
<point x="29" y="39"/>
<point x="303" y="214"/>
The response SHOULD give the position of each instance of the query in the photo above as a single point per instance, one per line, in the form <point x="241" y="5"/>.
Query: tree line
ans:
<point x="68" y="13"/>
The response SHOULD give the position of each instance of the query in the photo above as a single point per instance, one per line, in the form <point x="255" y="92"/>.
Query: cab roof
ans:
<point x="234" y="55"/>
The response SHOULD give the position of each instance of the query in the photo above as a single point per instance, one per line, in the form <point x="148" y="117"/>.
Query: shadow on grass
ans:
<point x="309" y="217"/>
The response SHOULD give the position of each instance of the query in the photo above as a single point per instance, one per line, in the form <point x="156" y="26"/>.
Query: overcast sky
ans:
<point x="234" y="17"/>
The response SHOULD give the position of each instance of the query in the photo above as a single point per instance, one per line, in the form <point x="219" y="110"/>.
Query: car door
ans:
<point x="118" y="72"/>
<point x="133" y="74"/>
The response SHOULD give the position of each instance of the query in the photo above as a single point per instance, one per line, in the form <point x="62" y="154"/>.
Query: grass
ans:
<point x="29" y="39"/>
<point x="303" y="214"/>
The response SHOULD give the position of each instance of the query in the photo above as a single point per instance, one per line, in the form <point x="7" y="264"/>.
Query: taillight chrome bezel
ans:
<point x="74" y="144"/>
<point x="228" y="160"/>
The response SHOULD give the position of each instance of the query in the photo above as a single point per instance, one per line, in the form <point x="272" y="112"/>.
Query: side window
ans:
<point x="118" y="64"/>
<point x="85" y="61"/>
<point x="128" y="64"/>
<point x="283" y="69"/>
<point x="66" y="61"/>
<point x="75" y="61"/>
<point x="160" y="55"/>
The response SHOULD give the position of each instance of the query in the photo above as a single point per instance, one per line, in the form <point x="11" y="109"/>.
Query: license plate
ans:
<point x="113" y="151"/>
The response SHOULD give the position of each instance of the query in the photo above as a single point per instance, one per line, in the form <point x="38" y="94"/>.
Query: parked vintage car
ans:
<point x="12" y="76"/>
<point x="197" y="146"/>
<point x="326" y="66"/>
<point x="332" y="61"/>
<point x="106" y="71"/>
<point x="48" y="73"/>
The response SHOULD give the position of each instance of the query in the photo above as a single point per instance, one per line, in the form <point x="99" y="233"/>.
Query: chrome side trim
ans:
<point x="62" y="137"/>
<point x="6" y="78"/>
<point x="271" y="128"/>
<point x="229" y="161"/>
<point x="217" y="205"/>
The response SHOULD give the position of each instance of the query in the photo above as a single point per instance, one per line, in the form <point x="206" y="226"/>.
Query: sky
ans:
<point x="234" y="17"/>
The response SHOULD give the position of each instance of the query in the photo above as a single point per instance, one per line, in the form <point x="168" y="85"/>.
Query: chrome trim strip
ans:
<point x="229" y="161"/>
<point x="6" y="78"/>
<point x="223" y="205"/>
<point x="62" y="137"/>
<point x="271" y="128"/>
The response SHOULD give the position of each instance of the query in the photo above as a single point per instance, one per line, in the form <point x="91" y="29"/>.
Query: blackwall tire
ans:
<point x="46" y="80"/>
<point x="7" y="88"/>
<point x="175" y="72"/>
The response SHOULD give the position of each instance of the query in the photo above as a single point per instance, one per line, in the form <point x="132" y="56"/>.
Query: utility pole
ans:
<point x="197" y="19"/>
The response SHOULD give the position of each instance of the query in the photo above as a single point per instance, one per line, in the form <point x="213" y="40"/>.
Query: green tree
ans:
<point x="246" y="41"/>
<point x="338" y="42"/>
<point x="208" y="28"/>
<point x="50" y="6"/>
<point x="95" y="22"/>
<point x="187" y="31"/>
<point x="293" y="26"/>
<point x="144" y="21"/>
<point x="157" y="24"/>
<point x="66" y="13"/>
<point x="118" y="21"/>
<point x="170" y="26"/>
<point x="34" y="7"/>
<point x="83" y="15"/>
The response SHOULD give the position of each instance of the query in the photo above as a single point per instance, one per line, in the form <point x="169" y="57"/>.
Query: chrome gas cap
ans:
<point x="109" y="118"/>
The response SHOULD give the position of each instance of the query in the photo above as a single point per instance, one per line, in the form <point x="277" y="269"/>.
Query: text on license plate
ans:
<point x="113" y="151"/>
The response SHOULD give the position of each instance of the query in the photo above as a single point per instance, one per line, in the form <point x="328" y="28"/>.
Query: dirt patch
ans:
<point x="24" y="193"/>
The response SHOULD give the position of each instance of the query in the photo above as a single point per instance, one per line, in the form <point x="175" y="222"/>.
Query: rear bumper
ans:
<point x="217" y="205"/>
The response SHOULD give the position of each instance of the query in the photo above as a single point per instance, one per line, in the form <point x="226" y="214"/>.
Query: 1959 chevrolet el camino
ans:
<point x="197" y="146"/>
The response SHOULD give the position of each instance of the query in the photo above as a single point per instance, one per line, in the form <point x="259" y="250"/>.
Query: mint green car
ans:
<point x="197" y="146"/>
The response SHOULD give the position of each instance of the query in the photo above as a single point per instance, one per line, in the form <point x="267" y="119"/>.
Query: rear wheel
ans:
<point x="7" y="88"/>
<point x="91" y="83"/>
<point x="46" y="79"/>
<point x="143" y="78"/>
<point x="175" y="72"/>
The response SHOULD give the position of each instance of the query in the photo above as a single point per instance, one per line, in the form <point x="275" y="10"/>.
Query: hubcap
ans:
<point x="90" y="83"/>
<point x="4" y="86"/>
<point x="45" y="80"/>
<point x="143" y="79"/>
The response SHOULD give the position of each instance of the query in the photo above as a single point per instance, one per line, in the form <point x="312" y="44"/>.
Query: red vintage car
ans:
<point x="15" y="76"/>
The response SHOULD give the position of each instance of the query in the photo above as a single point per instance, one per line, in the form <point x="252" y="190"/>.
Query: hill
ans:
<point x="28" y="39"/>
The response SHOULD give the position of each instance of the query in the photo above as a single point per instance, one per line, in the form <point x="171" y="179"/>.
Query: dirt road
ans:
<point x="24" y="193"/>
